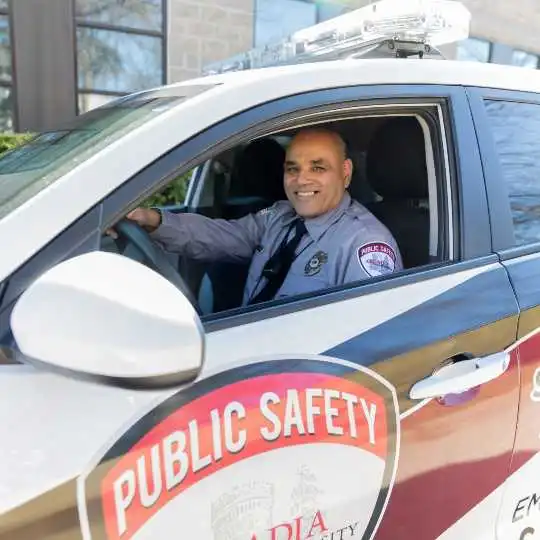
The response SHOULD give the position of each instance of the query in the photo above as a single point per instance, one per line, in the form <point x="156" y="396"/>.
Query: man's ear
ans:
<point x="348" y="171"/>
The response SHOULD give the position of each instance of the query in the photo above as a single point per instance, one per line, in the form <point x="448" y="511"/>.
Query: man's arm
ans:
<point x="370" y="258"/>
<point x="205" y="239"/>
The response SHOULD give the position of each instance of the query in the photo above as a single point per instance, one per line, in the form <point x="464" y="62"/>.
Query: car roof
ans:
<point x="389" y="71"/>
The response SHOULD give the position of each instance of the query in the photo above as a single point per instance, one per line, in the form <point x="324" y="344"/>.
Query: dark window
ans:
<point x="120" y="48"/>
<point x="141" y="14"/>
<point x="516" y="131"/>
<point x="474" y="50"/>
<point x="118" y="62"/>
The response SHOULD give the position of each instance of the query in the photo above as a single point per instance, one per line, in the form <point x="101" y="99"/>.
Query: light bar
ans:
<point x="429" y="23"/>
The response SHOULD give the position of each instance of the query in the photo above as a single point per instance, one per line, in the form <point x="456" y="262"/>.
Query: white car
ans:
<point x="139" y="400"/>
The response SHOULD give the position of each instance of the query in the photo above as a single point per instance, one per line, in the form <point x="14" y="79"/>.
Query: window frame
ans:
<point x="162" y="34"/>
<point x="468" y="205"/>
<point x="502" y="224"/>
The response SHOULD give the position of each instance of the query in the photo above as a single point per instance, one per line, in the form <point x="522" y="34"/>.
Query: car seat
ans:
<point x="257" y="178"/>
<point x="396" y="170"/>
<point x="257" y="182"/>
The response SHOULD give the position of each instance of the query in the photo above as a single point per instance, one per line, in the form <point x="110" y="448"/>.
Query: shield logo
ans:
<point x="291" y="448"/>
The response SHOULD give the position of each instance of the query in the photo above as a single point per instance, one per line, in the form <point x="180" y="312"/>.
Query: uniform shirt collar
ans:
<point x="317" y="226"/>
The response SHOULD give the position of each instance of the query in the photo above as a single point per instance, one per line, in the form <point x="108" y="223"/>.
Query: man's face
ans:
<point x="316" y="173"/>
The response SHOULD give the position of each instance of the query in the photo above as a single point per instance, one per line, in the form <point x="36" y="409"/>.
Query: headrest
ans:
<point x="259" y="170"/>
<point x="396" y="160"/>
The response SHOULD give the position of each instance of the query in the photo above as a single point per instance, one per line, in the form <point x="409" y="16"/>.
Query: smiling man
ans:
<point x="318" y="238"/>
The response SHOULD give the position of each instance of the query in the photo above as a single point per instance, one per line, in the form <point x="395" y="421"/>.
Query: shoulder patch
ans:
<point x="266" y="211"/>
<point x="377" y="258"/>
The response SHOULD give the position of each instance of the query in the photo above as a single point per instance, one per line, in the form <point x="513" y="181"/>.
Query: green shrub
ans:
<point x="174" y="193"/>
<point x="11" y="140"/>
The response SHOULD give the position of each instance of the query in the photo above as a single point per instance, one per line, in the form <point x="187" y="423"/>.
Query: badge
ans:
<point x="377" y="258"/>
<point x="314" y="264"/>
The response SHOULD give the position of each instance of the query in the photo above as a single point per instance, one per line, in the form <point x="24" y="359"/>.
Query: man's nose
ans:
<point x="303" y="177"/>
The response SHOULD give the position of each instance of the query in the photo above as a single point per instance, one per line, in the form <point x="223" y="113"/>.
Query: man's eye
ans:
<point x="291" y="170"/>
<point x="318" y="169"/>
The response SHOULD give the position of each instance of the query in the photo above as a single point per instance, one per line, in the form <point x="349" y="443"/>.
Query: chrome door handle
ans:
<point x="461" y="376"/>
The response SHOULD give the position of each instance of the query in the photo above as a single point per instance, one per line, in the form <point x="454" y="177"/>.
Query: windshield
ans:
<point x="33" y="166"/>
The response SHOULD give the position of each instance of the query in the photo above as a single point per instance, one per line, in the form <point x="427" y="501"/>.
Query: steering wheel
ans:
<point x="132" y="233"/>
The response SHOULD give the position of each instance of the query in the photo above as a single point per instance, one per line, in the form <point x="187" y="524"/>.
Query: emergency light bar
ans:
<point x="385" y="28"/>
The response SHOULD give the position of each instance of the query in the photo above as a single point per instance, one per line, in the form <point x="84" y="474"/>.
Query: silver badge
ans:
<point x="314" y="264"/>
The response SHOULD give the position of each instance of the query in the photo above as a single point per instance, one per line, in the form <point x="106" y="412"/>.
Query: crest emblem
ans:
<point x="263" y="451"/>
<point x="314" y="265"/>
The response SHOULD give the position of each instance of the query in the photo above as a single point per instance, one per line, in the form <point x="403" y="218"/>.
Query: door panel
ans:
<point x="450" y="454"/>
<point x="520" y="515"/>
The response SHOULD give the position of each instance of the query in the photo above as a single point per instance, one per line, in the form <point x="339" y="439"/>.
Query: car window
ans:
<point x="516" y="131"/>
<point x="33" y="166"/>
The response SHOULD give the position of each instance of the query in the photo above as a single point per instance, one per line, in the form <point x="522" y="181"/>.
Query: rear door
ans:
<point x="508" y="125"/>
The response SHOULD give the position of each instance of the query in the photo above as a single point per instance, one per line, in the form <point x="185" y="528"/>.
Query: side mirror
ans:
<point x="103" y="316"/>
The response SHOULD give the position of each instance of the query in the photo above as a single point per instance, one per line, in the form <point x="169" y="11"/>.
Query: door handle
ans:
<point x="461" y="376"/>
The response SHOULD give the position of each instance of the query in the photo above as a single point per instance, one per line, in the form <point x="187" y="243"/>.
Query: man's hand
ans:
<point x="147" y="218"/>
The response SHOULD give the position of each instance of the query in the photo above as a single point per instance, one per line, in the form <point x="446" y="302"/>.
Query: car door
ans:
<point x="508" y="124"/>
<point x="302" y="423"/>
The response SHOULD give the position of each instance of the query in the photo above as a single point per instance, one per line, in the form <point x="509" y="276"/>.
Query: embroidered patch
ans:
<point x="266" y="211"/>
<point x="377" y="258"/>
<point x="314" y="265"/>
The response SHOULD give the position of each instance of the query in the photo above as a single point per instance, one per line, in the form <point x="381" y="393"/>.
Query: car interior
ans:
<point x="390" y="178"/>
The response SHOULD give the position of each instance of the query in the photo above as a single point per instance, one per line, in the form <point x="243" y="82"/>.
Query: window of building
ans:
<point x="277" y="19"/>
<point x="474" y="50"/>
<point x="524" y="59"/>
<point x="120" y="48"/>
<point x="516" y="131"/>
<point x="6" y="105"/>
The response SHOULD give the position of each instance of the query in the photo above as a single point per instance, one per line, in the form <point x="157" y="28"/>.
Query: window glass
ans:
<point x="276" y="19"/>
<point x="141" y="14"/>
<point x="524" y="59"/>
<point x="516" y="130"/>
<point x="5" y="50"/>
<point x="92" y="100"/>
<point x="473" y="50"/>
<point x="6" y="109"/>
<point x="30" y="168"/>
<point x="118" y="62"/>
<point x="4" y="5"/>
<point x="329" y="10"/>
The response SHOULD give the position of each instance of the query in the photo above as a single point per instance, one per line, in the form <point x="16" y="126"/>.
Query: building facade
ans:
<point x="60" y="58"/>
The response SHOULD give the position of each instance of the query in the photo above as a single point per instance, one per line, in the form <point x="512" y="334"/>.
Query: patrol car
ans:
<point x="138" y="398"/>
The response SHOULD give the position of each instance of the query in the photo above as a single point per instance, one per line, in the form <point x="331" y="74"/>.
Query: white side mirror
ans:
<point x="105" y="316"/>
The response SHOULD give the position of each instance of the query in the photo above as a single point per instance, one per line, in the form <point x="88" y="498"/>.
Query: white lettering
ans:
<point x="172" y="457"/>
<point x="267" y="434"/>
<point x="197" y="462"/>
<point x="351" y="401"/>
<point x="147" y="498"/>
<point x="331" y="412"/>
<point x="293" y="414"/>
<point x="216" y="434"/>
<point x="123" y="498"/>
<point x="312" y="410"/>
<point x="370" y="417"/>
<point x="238" y="409"/>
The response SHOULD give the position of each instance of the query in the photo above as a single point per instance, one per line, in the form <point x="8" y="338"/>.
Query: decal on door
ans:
<point x="278" y="450"/>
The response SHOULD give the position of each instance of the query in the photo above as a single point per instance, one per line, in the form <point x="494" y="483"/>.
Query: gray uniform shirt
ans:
<point x="344" y="245"/>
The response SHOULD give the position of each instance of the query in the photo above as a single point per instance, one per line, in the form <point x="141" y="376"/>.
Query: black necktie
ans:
<point x="276" y="268"/>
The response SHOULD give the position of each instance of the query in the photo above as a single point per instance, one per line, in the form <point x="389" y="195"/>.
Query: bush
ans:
<point x="173" y="194"/>
<point x="11" y="140"/>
